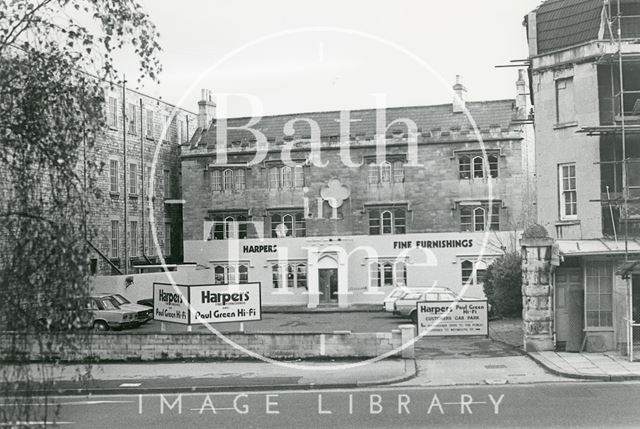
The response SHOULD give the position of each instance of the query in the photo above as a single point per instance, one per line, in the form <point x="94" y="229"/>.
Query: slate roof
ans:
<point x="431" y="120"/>
<point x="564" y="23"/>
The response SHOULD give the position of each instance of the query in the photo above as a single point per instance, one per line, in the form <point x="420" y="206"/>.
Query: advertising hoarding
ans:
<point x="225" y="303"/>
<point x="169" y="304"/>
<point x="209" y="303"/>
<point x="450" y="318"/>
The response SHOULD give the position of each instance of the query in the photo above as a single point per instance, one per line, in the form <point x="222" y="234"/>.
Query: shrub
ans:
<point x="503" y="285"/>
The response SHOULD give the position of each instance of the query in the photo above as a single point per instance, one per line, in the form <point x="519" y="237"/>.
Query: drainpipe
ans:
<point x="142" y="202"/>
<point x="124" y="170"/>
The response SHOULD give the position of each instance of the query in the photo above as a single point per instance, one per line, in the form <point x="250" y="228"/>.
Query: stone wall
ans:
<point x="167" y="346"/>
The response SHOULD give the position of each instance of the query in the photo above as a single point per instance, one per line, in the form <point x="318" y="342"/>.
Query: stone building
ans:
<point x="149" y="129"/>
<point x="587" y="153"/>
<point x="340" y="207"/>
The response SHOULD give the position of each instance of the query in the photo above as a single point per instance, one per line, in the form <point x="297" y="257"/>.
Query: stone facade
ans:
<point x="145" y="131"/>
<point x="432" y="192"/>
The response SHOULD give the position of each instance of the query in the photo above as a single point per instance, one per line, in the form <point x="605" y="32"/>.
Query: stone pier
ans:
<point x="537" y="289"/>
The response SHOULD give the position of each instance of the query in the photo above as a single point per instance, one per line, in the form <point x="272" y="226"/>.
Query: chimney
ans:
<point x="206" y="109"/>
<point x="459" y="99"/>
<point x="521" y="95"/>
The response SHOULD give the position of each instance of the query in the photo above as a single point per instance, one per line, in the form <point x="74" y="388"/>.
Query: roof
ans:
<point x="565" y="23"/>
<point x="597" y="247"/>
<point x="429" y="119"/>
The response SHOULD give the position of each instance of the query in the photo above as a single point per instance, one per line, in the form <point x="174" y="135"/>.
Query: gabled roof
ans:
<point x="564" y="23"/>
<point x="438" y="118"/>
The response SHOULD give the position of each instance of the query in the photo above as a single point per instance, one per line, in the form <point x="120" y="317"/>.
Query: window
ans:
<point x="477" y="166"/>
<point x="387" y="273"/>
<point x="115" y="239"/>
<point x="291" y="275"/>
<point x="387" y="221"/>
<point x="227" y="180"/>
<point x="286" y="177"/>
<point x="241" y="182"/>
<point x="167" y="239"/>
<point x="464" y="166"/>
<point x="167" y="184"/>
<point x="274" y="178"/>
<point x="151" y="248"/>
<point x="568" y="193"/>
<point x="229" y="226"/>
<point x="598" y="295"/>
<point x="133" y="179"/>
<point x="288" y="225"/>
<point x="298" y="176"/>
<point x="476" y="218"/>
<point x="398" y="172"/>
<point x="149" y="123"/>
<point x="112" y="112"/>
<point x="133" y="238"/>
<point x="473" y="275"/>
<point x="565" y="107"/>
<point x="131" y="119"/>
<point x="231" y="273"/>
<point x="113" y="175"/>
<point x="216" y="180"/>
<point x="385" y="172"/>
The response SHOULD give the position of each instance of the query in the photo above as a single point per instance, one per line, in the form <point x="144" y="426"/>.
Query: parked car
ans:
<point x="406" y="305"/>
<point x="147" y="301"/>
<point x="143" y="313"/>
<point x="398" y="293"/>
<point x="108" y="315"/>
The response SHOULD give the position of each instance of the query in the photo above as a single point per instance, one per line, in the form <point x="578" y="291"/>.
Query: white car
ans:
<point x="398" y="293"/>
<point x="143" y="312"/>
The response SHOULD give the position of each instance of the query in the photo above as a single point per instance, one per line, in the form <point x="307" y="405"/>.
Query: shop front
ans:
<point x="348" y="270"/>
<point x="596" y="298"/>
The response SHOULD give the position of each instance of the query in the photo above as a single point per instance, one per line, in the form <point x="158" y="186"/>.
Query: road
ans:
<point x="535" y="405"/>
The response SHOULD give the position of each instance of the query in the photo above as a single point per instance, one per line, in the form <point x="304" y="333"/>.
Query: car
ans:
<point x="406" y="306"/>
<point x="143" y="313"/>
<point x="108" y="315"/>
<point x="397" y="293"/>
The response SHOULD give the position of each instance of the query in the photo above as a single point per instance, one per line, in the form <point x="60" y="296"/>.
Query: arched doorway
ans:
<point x="328" y="279"/>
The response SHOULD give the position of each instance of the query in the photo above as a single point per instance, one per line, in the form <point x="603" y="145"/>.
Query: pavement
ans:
<point x="607" y="366"/>
<point x="224" y="376"/>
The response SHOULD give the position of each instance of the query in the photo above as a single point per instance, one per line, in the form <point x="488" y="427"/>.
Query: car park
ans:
<point x="143" y="313"/>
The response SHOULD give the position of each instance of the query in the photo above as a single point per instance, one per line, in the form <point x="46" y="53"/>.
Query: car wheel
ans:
<point x="99" y="325"/>
<point x="414" y="316"/>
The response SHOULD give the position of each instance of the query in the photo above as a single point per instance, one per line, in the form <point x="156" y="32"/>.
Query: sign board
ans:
<point x="169" y="304"/>
<point x="225" y="303"/>
<point x="450" y="318"/>
<point x="196" y="304"/>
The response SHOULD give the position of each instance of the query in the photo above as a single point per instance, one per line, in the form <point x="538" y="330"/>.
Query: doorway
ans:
<point x="635" y="312"/>
<point x="569" y="308"/>
<point x="328" y="285"/>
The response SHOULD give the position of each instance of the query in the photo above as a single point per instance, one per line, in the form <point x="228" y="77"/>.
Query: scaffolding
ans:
<point x="624" y="125"/>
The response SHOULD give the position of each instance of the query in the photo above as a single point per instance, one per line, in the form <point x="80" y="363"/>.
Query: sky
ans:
<point x="301" y="56"/>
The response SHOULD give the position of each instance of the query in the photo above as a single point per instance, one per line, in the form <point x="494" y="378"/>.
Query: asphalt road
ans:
<point x="563" y="405"/>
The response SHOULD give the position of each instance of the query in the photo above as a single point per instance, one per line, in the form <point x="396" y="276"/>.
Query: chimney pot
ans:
<point x="459" y="89"/>
<point x="206" y="109"/>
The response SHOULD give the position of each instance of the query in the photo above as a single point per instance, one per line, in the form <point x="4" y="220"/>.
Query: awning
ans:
<point x="628" y="268"/>
<point x="597" y="247"/>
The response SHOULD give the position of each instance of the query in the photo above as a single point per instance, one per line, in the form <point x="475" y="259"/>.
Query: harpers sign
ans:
<point x="208" y="303"/>
<point x="451" y="318"/>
